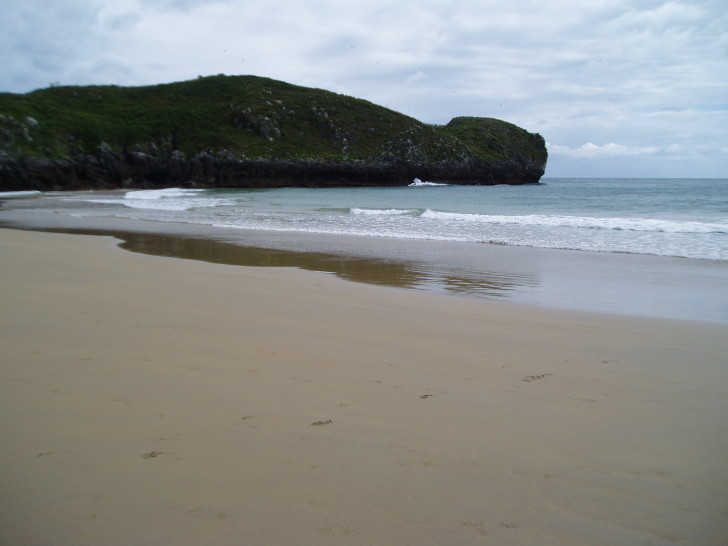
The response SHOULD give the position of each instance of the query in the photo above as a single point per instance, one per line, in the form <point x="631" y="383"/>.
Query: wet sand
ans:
<point x="153" y="400"/>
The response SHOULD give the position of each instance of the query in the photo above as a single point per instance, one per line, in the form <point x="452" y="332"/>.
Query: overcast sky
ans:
<point x="617" y="88"/>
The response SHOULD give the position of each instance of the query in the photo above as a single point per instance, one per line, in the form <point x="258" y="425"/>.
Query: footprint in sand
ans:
<point x="47" y="453"/>
<point x="59" y="391"/>
<point x="535" y="377"/>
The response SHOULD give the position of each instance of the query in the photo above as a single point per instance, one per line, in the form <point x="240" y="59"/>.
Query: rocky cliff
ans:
<point x="244" y="131"/>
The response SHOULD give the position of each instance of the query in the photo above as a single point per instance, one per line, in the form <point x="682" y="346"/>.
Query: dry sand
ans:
<point x="150" y="400"/>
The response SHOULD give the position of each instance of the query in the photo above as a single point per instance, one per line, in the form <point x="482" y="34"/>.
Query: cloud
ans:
<point x="629" y="75"/>
<point x="610" y="149"/>
<point x="415" y="78"/>
<point x="668" y="14"/>
<point x="181" y="5"/>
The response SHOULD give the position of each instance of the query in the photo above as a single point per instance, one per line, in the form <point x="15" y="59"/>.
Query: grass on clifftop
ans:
<point x="242" y="117"/>
<point x="493" y="139"/>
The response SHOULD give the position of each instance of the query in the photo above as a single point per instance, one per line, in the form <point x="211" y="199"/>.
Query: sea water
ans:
<point x="666" y="217"/>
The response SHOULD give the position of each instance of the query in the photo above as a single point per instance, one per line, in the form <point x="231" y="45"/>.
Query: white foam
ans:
<point x="179" y="205"/>
<point x="161" y="194"/>
<point x="17" y="194"/>
<point x="619" y="224"/>
<point x="170" y="199"/>
<point x="417" y="182"/>
<point x="383" y="212"/>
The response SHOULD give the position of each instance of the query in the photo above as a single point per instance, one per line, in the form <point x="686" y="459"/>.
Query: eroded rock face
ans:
<point x="108" y="170"/>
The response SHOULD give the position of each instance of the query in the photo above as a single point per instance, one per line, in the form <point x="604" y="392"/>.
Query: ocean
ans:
<point x="458" y="234"/>
<point x="667" y="217"/>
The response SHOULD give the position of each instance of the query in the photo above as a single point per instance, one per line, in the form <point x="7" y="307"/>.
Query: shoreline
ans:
<point x="149" y="400"/>
<point x="615" y="283"/>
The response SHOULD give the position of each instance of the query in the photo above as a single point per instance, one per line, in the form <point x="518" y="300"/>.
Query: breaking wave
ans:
<point x="161" y="194"/>
<point x="619" y="224"/>
<point x="417" y="182"/>
<point x="167" y="199"/>
<point x="385" y="212"/>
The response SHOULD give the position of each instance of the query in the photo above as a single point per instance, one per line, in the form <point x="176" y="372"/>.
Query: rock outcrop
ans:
<point x="110" y="170"/>
<point x="223" y="132"/>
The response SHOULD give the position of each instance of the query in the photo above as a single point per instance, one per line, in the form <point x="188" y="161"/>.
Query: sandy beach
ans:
<point x="152" y="400"/>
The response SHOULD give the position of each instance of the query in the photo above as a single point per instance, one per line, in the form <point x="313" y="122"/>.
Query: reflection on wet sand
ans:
<point x="388" y="272"/>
